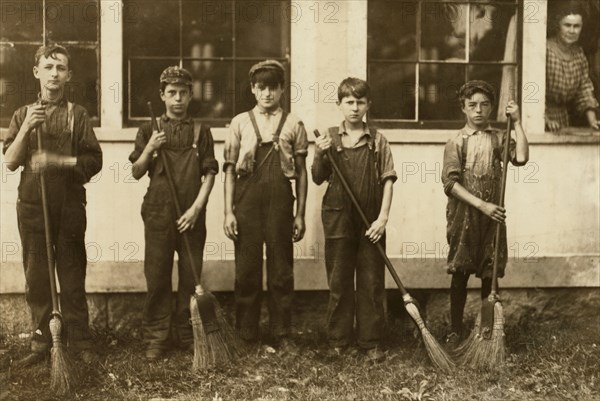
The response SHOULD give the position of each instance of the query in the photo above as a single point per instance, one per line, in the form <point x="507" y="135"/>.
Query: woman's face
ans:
<point x="569" y="29"/>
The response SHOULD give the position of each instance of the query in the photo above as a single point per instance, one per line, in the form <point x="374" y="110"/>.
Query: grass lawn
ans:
<point x="549" y="358"/>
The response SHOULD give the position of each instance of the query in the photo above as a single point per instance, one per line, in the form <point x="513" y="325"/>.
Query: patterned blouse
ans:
<point x="567" y="82"/>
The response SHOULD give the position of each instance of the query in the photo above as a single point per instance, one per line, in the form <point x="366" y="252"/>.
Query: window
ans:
<point x="217" y="41"/>
<point x="422" y="44"/>
<point x="71" y="24"/>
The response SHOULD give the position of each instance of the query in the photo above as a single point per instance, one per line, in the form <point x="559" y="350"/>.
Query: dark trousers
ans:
<point x="458" y="298"/>
<point x="344" y="257"/>
<point x="68" y="224"/>
<point x="265" y="216"/>
<point x="162" y="240"/>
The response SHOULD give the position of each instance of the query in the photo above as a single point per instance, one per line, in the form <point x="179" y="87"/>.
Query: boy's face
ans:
<point x="53" y="72"/>
<point x="477" y="109"/>
<point x="354" y="109"/>
<point x="267" y="98"/>
<point x="177" y="98"/>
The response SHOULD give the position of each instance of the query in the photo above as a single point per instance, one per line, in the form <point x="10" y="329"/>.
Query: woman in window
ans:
<point x="568" y="83"/>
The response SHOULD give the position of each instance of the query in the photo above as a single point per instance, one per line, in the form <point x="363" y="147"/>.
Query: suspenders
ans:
<point x="275" y="146"/>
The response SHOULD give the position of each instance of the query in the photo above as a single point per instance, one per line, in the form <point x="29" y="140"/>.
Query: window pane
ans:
<point x="21" y="20"/>
<point x="260" y="29"/>
<point x="443" y="32"/>
<point x="212" y="90"/>
<point x="83" y="87"/>
<point x="72" y="20"/>
<point x="489" y="30"/>
<point x="151" y="28"/>
<point x="438" y="85"/>
<point x="207" y="28"/>
<point x="393" y="88"/>
<point x="144" y="86"/>
<point x="18" y="86"/>
<point x="392" y="32"/>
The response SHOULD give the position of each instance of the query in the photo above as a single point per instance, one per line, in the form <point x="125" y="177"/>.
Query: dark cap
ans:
<point x="266" y="65"/>
<point x="176" y="75"/>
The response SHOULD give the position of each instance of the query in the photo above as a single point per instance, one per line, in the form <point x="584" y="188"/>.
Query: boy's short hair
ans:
<point x="472" y="87"/>
<point x="354" y="87"/>
<point x="270" y="73"/>
<point x="51" y="51"/>
<point x="175" y="75"/>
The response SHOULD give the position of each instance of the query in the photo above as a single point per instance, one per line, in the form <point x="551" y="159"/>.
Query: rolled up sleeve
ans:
<point x="452" y="170"/>
<point x="89" y="153"/>
<point x="300" y="140"/>
<point x="209" y="164"/>
<point x="386" y="161"/>
<point x="231" y="151"/>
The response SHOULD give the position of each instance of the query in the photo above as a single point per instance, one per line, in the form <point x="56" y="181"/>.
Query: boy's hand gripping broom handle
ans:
<point x="175" y="199"/>
<point x="348" y="190"/>
<point x="505" y="155"/>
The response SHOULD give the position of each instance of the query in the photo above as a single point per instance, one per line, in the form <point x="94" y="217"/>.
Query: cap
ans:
<point x="266" y="65"/>
<point x="176" y="75"/>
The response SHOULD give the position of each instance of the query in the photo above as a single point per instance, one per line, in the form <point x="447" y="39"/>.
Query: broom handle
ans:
<point x="175" y="199"/>
<point x="378" y="245"/>
<point x="48" y="233"/>
<point x="501" y="203"/>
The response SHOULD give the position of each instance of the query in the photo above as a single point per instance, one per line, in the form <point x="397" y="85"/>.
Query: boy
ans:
<point x="364" y="157"/>
<point x="190" y="156"/>
<point x="70" y="156"/>
<point x="265" y="149"/>
<point x="472" y="175"/>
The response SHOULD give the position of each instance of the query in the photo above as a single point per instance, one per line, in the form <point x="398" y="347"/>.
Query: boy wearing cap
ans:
<point x="71" y="155"/>
<point x="190" y="154"/>
<point x="265" y="149"/>
<point x="472" y="175"/>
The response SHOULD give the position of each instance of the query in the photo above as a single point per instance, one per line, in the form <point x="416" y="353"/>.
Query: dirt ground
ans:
<point x="553" y="354"/>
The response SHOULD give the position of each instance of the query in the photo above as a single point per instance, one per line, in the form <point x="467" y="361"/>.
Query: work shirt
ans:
<point x="321" y="169"/>
<point x="241" y="142"/>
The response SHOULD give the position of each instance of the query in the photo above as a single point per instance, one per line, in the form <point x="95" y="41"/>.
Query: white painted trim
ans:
<point x="533" y="97"/>
<point x="111" y="64"/>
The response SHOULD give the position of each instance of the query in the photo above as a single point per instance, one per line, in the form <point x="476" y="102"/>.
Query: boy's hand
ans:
<point x="299" y="228"/>
<point x="40" y="161"/>
<point x="493" y="211"/>
<point x="187" y="221"/>
<point x="512" y="109"/>
<point x="376" y="231"/>
<point x="230" y="226"/>
<point x="157" y="140"/>
<point x="36" y="115"/>
<point x="323" y="143"/>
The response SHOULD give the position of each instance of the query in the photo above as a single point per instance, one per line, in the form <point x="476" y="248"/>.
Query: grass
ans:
<point x="548" y="359"/>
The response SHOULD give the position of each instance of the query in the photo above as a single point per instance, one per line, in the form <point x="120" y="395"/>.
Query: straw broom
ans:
<point x="436" y="353"/>
<point x="61" y="373"/>
<point x="214" y="341"/>
<point x="486" y="347"/>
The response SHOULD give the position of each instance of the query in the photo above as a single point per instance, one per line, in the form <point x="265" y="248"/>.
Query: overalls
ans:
<point x="163" y="239"/>
<point x="66" y="203"/>
<point x="347" y="250"/>
<point x="264" y="211"/>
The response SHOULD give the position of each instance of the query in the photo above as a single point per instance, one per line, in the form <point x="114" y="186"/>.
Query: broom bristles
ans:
<point x="223" y="346"/>
<point x="463" y="348"/>
<point x="487" y="353"/>
<point x="436" y="353"/>
<point x="200" y="360"/>
<point x="61" y="371"/>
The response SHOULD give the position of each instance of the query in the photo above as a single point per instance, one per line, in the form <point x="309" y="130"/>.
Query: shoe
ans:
<point x="288" y="346"/>
<point x="336" y="352"/>
<point x="88" y="356"/>
<point x="31" y="359"/>
<point x="375" y="355"/>
<point x="452" y="340"/>
<point x="154" y="354"/>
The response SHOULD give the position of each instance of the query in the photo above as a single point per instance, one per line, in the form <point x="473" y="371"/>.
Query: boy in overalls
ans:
<point x="190" y="154"/>
<point x="265" y="149"/>
<point x="364" y="157"/>
<point x="70" y="156"/>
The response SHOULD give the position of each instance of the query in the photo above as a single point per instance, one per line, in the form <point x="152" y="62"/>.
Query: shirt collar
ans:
<point x="165" y="119"/>
<point x="62" y="100"/>
<point x="468" y="131"/>
<point x="257" y="110"/>
<point x="366" y="130"/>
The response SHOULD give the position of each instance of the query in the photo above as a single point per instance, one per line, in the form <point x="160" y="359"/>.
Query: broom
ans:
<point x="436" y="353"/>
<point x="61" y="372"/>
<point x="485" y="347"/>
<point x="215" y="343"/>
